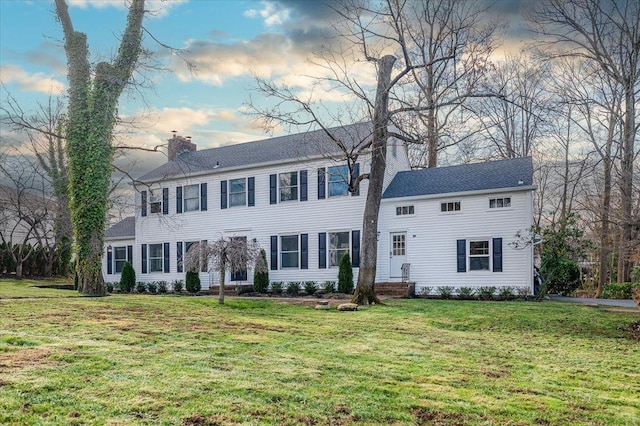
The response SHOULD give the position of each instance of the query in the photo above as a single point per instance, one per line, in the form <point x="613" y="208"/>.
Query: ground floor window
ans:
<point x="338" y="247"/>
<point x="479" y="255"/>
<point x="155" y="258"/>
<point x="119" y="257"/>
<point x="289" y="251"/>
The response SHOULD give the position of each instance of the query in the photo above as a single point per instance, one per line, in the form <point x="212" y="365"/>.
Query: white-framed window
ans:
<point x="339" y="245"/>
<point x="405" y="210"/>
<point x="479" y="255"/>
<point x="288" y="186"/>
<point x="237" y="192"/>
<point x="119" y="258"/>
<point x="191" y="198"/>
<point x="338" y="181"/>
<point x="450" y="206"/>
<point x="156" y="258"/>
<point x="155" y="203"/>
<point x="289" y="251"/>
<point x="497" y="203"/>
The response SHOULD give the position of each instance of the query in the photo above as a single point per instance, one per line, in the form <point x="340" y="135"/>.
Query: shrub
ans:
<point x="127" y="278"/>
<point x="426" y="291"/>
<point x="177" y="286"/>
<point x="192" y="282"/>
<point x="562" y="275"/>
<point x="635" y="274"/>
<point x="619" y="290"/>
<point x="110" y="287"/>
<point x="141" y="287"/>
<point x="445" y="292"/>
<point x="329" y="286"/>
<point x="486" y="293"/>
<point x="466" y="293"/>
<point x="345" y="275"/>
<point x="152" y="287"/>
<point x="523" y="292"/>
<point x="162" y="286"/>
<point x="636" y="296"/>
<point x="293" y="287"/>
<point x="506" y="293"/>
<point x="276" y="287"/>
<point x="310" y="287"/>
<point x="261" y="274"/>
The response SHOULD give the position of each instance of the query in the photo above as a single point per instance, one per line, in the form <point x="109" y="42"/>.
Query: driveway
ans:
<point x="624" y="303"/>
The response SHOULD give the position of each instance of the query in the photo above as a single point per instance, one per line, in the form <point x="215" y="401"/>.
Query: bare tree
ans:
<point x="232" y="254"/>
<point x="605" y="33"/>
<point x="388" y="38"/>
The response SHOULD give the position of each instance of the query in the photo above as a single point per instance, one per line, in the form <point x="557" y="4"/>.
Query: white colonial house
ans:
<point x="449" y="226"/>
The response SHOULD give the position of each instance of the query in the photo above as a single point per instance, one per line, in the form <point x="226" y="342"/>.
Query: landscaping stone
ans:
<point x="348" y="307"/>
<point x="323" y="306"/>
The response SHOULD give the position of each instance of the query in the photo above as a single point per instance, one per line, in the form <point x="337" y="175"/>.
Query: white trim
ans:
<point x="460" y="194"/>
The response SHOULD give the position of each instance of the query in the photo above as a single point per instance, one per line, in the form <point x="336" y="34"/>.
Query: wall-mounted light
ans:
<point x="109" y="248"/>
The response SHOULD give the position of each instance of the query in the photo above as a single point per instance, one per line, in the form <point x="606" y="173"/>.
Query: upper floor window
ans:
<point x="479" y="255"/>
<point x="155" y="203"/>
<point x="451" y="206"/>
<point x="288" y="186"/>
<point x="237" y="192"/>
<point x="496" y="203"/>
<point x="404" y="210"/>
<point x="338" y="181"/>
<point x="192" y="198"/>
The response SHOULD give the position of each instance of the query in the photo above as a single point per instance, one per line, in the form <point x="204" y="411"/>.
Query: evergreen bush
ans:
<point x="127" y="278"/>
<point x="486" y="293"/>
<point x="293" y="288"/>
<point x="141" y="287"/>
<point x="261" y="274"/>
<point x="310" y="287"/>
<point x="177" y="286"/>
<point x="276" y="287"/>
<point x="192" y="282"/>
<point x="329" y="286"/>
<point x="345" y="275"/>
<point x="562" y="275"/>
<point x="152" y="287"/>
<point x="445" y="291"/>
<point x="466" y="293"/>
<point x="162" y="286"/>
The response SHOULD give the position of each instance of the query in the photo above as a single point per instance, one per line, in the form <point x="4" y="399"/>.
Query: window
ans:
<point x="120" y="257"/>
<point x="237" y="192"/>
<point x="155" y="258"/>
<point x="403" y="210"/>
<point x="191" y="198"/>
<point x="496" y="203"/>
<point x="155" y="204"/>
<point x="338" y="247"/>
<point x="338" y="181"/>
<point x="288" y="186"/>
<point x="479" y="255"/>
<point x="451" y="206"/>
<point x="289" y="252"/>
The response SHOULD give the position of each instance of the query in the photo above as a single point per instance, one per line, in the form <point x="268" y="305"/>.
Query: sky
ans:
<point x="229" y="41"/>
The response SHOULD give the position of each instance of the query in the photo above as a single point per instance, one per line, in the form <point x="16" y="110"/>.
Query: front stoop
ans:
<point x="229" y="289"/>
<point x="395" y="289"/>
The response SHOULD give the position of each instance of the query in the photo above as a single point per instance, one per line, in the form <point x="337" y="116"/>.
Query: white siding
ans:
<point x="124" y="242"/>
<point x="432" y="236"/>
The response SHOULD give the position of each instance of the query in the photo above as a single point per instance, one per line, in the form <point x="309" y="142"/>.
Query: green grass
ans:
<point x="25" y="288"/>
<point x="130" y="359"/>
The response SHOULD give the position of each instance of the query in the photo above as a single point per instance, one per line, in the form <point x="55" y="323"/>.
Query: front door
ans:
<point x="239" y="274"/>
<point x="398" y="253"/>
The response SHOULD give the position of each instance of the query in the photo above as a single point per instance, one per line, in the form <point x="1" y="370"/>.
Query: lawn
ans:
<point x="128" y="359"/>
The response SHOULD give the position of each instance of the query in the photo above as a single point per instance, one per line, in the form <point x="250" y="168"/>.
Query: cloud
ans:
<point x="37" y="82"/>
<point x="272" y="13"/>
<point x="156" y="8"/>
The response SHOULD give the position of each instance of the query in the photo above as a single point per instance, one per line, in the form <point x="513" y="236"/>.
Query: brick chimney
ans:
<point x="178" y="145"/>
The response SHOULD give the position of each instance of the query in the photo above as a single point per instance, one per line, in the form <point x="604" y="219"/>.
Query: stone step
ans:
<point x="395" y="289"/>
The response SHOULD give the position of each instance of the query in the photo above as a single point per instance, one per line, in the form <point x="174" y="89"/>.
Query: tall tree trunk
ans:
<point x="364" y="293"/>
<point x="89" y="131"/>
<point x="223" y="271"/>
<point x="432" y="135"/>
<point x="604" y="232"/>
<point x="626" y="183"/>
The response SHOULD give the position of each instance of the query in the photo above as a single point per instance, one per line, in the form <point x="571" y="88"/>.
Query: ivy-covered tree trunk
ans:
<point x="364" y="293"/>
<point x="89" y="132"/>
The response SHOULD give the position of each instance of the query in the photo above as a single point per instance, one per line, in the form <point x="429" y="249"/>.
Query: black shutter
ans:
<point x="355" y="172"/>
<point x="179" y="256"/>
<point x="179" y="199"/>
<point x="303" y="185"/>
<point x="130" y="254"/>
<point x="144" y="258"/>
<point x="167" y="268"/>
<point x="203" y="197"/>
<point x="497" y="255"/>
<point x="143" y="202"/>
<point x="304" y="251"/>
<point x="322" y="191"/>
<point x="274" y="252"/>
<point x="251" y="191"/>
<point x="165" y="200"/>
<point x="322" y="250"/>
<point x="355" y="248"/>
<point x="223" y="194"/>
<point x="109" y="262"/>
<point x="462" y="255"/>
<point x="273" y="189"/>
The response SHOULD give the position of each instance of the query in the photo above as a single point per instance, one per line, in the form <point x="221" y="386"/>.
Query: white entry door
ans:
<point x="398" y="253"/>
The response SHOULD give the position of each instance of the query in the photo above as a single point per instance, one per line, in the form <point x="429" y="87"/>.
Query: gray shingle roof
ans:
<point x="125" y="228"/>
<point x="290" y="147"/>
<point x="466" y="177"/>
